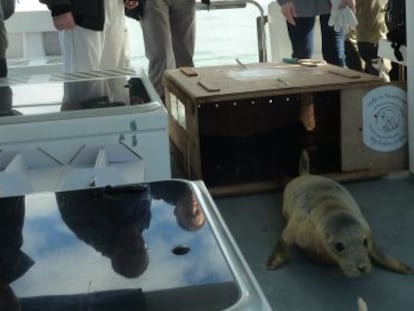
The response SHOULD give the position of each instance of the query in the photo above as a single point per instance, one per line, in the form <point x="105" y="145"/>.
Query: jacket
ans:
<point x="371" y="21"/>
<point x="97" y="216"/>
<point x="8" y="7"/>
<point x="309" y="8"/>
<point x="89" y="14"/>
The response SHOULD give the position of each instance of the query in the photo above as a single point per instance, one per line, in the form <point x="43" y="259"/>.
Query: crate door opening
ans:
<point x="256" y="140"/>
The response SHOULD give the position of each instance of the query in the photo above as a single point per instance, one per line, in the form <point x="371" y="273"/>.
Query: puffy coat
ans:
<point x="87" y="13"/>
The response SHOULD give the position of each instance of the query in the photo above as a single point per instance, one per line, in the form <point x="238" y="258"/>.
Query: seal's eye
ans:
<point x="365" y="242"/>
<point x="340" y="247"/>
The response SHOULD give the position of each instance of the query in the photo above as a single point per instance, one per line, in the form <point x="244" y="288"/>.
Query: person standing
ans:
<point x="361" y="45"/>
<point x="300" y="16"/>
<point x="111" y="220"/>
<point x="6" y="10"/>
<point x="168" y="29"/>
<point x="92" y="32"/>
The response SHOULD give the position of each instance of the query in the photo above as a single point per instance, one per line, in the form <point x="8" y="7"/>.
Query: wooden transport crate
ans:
<point x="238" y="128"/>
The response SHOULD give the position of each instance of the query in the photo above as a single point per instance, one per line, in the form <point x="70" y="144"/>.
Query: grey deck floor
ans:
<point x="388" y="205"/>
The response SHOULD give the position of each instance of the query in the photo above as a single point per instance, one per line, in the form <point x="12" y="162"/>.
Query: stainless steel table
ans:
<point x="153" y="246"/>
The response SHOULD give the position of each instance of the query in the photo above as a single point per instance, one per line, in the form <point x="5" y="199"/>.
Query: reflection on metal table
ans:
<point x="153" y="246"/>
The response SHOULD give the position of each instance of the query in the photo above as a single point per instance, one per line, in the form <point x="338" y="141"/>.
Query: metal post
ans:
<point x="409" y="6"/>
<point x="261" y="34"/>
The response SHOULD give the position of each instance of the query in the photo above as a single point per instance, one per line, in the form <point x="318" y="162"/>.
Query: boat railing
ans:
<point x="34" y="42"/>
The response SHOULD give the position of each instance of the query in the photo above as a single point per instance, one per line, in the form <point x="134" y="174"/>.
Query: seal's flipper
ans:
<point x="362" y="306"/>
<point x="388" y="262"/>
<point x="279" y="256"/>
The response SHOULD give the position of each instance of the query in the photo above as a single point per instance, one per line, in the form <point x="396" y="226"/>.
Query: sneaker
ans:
<point x="382" y="67"/>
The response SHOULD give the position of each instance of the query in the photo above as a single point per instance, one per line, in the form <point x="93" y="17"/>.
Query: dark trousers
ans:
<point x="366" y="51"/>
<point x="301" y="38"/>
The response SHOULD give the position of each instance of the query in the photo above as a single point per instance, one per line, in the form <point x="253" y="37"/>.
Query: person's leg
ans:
<point x="156" y="31"/>
<point x="182" y="22"/>
<point x="82" y="94"/>
<point x="368" y="52"/>
<point x="374" y="64"/>
<point x="301" y="37"/>
<point x="370" y="30"/>
<point x="81" y="49"/>
<point x="114" y="53"/>
<point x="352" y="57"/>
<point x="3" y="46"/>
<point x="333" y="43"/>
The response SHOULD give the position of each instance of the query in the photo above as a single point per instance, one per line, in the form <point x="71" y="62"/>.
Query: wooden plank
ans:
<point x="262" y="80"/>
<point x="208" y="85"/>
<point x="189" y="71"/>
<point x="245" y="189"/>
<point x="273" y="186"/>
<point x="355" y="154"/>
<point x="184" y="132"/>
<point x="348" y="75"/>
<point x="179" y="139"/>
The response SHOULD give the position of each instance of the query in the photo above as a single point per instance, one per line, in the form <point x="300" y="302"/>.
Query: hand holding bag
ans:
<point x="137" y="12"/>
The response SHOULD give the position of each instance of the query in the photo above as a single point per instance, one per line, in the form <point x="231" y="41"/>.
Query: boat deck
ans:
<point x="387" y="203"/>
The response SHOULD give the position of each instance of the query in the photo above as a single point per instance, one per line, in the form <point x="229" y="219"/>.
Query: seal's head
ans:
<point x="348" y="243"/>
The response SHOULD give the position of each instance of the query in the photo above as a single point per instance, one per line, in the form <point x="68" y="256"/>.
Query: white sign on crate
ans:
<point x="384" y="113"/>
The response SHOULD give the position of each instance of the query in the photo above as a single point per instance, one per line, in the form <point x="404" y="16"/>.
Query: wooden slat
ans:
<point x="186" y="139"/>
<point x="264" y="80"/>
<point x="273" y="186"/>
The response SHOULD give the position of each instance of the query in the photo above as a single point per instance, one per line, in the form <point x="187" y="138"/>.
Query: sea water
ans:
<point x="221" y="35"/>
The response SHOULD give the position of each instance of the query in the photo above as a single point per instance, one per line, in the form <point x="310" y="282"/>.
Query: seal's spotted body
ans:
<point x="324" y="220"/>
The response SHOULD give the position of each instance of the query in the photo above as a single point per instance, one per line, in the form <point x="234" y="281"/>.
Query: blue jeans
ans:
<point x="301" y="38"/>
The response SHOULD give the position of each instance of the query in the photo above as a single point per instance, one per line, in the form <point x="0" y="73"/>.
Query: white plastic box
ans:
<point x="71" y="131"/>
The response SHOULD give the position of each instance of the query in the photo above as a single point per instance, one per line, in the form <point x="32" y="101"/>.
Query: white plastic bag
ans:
<point x="342" y="19"/>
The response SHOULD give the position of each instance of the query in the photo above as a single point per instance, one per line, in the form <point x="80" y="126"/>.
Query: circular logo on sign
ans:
<point x="384" y="114"/>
